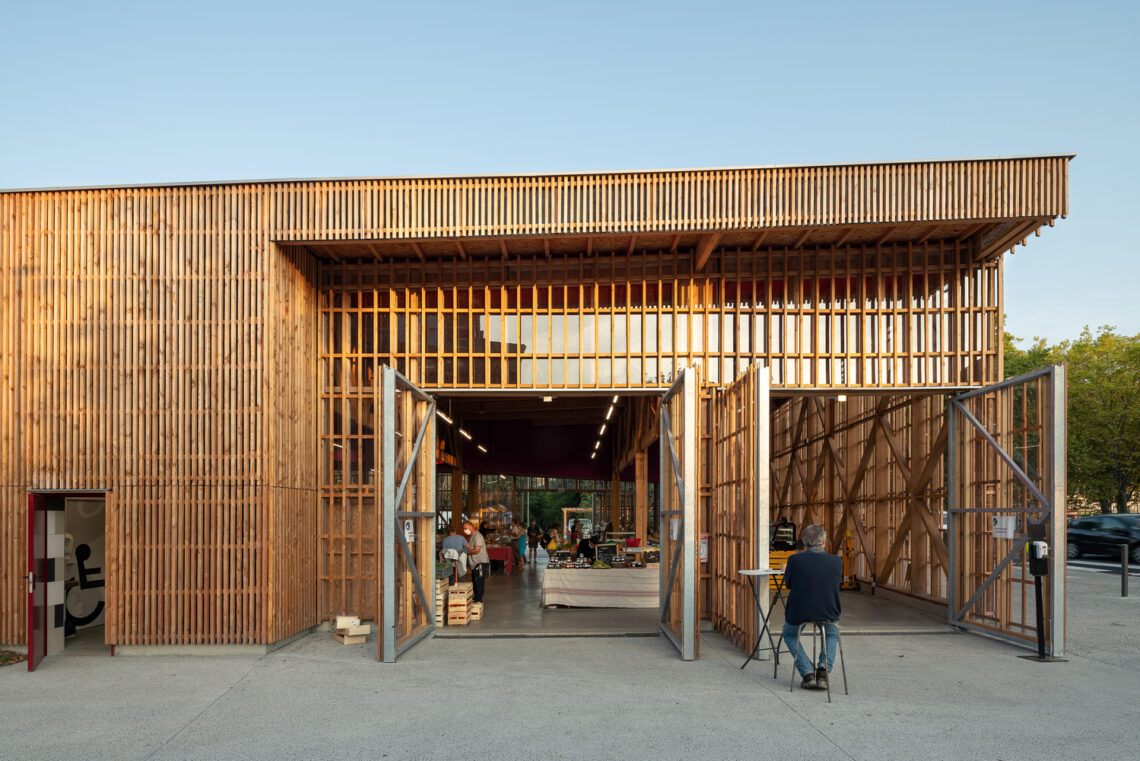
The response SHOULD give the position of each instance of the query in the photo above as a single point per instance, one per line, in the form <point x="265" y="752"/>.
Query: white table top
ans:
<point x="762" y="572"/>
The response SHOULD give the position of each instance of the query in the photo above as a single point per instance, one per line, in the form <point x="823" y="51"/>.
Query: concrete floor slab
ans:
<point x="912" y="696"/>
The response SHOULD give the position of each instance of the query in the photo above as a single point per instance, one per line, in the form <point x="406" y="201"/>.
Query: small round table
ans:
<point x="765" y="573"/>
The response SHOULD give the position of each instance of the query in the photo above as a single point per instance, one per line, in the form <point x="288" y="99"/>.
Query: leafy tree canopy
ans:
<point x="1103" y="414"/>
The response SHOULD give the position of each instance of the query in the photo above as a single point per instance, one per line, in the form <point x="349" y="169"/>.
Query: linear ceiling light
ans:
<point x="615" y="399"/>
<point x="603" y="431"/>
<point x="597" y="443"/>
<point x="609" y="412"/>
<point x="465" y="434"/>
<point x="446" y="419"/>
<point x="481" y="448"/>
<point x="593" y="455"/>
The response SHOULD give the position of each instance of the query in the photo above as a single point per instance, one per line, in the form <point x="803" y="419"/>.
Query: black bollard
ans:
<point x="1124" y="569"/>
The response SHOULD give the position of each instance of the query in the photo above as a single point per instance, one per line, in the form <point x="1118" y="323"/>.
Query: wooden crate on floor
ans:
<point x="476" y="611"/>
<point x="349" y="630"/>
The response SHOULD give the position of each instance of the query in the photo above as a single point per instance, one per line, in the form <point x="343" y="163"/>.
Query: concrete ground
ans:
<point x="923" y="695"/>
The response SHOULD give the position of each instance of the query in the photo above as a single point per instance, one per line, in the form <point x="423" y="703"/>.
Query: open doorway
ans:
<point x="547" y="458"/>
<point x="67" y="535"/>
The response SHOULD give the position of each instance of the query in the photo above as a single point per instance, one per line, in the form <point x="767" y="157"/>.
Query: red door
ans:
<point x="37" y="579"/>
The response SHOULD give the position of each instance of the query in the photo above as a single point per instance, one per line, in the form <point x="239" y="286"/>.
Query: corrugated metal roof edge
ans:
<point x="606" y="173"/>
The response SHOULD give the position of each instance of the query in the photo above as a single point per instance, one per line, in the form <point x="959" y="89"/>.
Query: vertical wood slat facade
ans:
<point x="151" y="345"/>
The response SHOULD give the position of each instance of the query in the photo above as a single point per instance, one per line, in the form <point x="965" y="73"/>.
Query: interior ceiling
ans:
<point x="526" y="436"/>
<point x="996" y="236"/>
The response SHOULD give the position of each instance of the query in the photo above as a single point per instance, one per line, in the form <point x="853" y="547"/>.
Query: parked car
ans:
<point x="1103" y="535"/>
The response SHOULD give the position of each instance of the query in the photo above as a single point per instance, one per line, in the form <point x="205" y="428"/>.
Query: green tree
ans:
<point x="1019" y="361"/>
<point x="1104" y="417"/>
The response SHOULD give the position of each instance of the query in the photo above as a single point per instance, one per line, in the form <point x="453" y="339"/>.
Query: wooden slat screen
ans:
<point x="906" y="316"/>
<point x="715" y="199"/>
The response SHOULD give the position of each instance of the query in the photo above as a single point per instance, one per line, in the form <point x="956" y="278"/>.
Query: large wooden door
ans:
<point x="407" y="518"/>
<point x="740" y="513"/>
<point x="1007" y="461"/>
<point x="679" y="527"/>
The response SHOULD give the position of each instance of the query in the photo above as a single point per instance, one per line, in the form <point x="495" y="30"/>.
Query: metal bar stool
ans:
<point x="817" y="631"/>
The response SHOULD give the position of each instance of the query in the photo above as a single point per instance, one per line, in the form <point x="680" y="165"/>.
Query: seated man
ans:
<point x="812" y="579"/>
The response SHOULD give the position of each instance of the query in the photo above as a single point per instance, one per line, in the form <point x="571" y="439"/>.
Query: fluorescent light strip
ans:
<point x="445" y="417"/>
<point x="481" y="448"/>
<point x="603" y="431"/>
<point x="465" y="434"/>
<point x="609" y="412"/>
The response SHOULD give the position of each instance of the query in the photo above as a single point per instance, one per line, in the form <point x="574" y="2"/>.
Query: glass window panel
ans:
<point x="573" y="372"/>
<point x="605" y="333"/>
<point x="635" y="327"/>
<point x="665" y="333"/>
<point x="573" y="334"/>
<point x="543" y="328"/>
<point x="586" y="335"/>
<point x="526" y="371"/>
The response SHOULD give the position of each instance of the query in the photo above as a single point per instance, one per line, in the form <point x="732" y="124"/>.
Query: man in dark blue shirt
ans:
<point x="812" y="579"/>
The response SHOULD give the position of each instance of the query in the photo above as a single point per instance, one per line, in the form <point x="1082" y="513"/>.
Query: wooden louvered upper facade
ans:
<point x="174" y="345"/>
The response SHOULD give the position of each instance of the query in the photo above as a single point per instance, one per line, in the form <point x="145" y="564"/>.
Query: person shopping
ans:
<point x="477" y="560"/>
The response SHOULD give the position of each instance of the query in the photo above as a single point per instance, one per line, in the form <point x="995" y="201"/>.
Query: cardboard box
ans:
<point x="343" y="622"/>
<point x="349" y="639"/>
<point x="354" y="631"/>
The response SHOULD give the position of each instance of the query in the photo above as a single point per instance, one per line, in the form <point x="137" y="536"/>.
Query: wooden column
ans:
<point x="472" y="495"/>
<point x="457" y="496"/>
<point x="615" y="500"/>
<point x="641" y="494"/>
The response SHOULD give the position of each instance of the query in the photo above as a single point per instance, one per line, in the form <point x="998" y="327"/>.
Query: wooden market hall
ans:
<point x="249" y="390"/>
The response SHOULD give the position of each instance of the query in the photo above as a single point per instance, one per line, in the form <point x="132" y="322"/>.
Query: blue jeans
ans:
<point x="803" y="665"/>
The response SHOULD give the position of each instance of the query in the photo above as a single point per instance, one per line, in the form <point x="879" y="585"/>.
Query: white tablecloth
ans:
<point x="601" y="587"/>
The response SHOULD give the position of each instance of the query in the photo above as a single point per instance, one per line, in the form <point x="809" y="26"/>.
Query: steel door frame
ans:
<point x="1050" y="499"/>
<point x="686" y="483"/>
<point x="391" y="519"/>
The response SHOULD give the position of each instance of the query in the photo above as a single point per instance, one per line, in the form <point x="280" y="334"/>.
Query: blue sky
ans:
<point x="115" y="93"/>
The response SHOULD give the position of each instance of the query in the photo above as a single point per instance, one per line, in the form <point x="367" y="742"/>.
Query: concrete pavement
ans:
<point x="930" y="695"/>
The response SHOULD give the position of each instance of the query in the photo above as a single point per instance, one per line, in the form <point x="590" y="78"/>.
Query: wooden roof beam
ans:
<point x="800" y="241"/>
<point x="328" y="251"/>
<point x="375" y="251"/>
<point x="846" y="234"/>
<point x="632" y="243"/>
<point x="883" y="238"/>
<point x="461" y="251"/>
<point x="419" y="251"/>
<point x="675" y="243"/>
<point x="705" y="246"/>
<point x="763" y="236"/>
<point x="546" y="247"/>
<point x="503" y="248"/>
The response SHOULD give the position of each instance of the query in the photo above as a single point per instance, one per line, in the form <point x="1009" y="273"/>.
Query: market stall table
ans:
<point x="601" y="587"/>
<point x="506" y="554"/>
